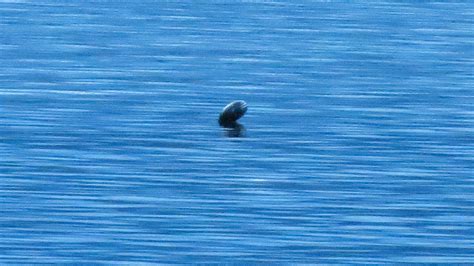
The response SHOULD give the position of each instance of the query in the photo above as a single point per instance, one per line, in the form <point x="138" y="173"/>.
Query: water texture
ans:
<point x="358" y="145"/>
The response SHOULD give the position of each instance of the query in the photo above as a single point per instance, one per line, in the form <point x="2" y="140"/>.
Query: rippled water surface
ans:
<point x="358" y="146"/>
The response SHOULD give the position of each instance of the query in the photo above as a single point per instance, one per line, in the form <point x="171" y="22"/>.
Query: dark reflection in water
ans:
<point x="233" y="130"/>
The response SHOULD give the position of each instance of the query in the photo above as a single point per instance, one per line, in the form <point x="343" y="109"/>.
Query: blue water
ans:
<point x="358" y="145"/>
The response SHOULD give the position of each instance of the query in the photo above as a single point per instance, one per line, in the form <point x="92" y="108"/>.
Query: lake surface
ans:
<point x="358" y="145"/>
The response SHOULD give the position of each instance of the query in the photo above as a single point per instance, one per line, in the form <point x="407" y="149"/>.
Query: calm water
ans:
<point x="358" y="146"/>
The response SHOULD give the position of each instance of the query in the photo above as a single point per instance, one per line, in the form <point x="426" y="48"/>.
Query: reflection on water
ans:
<point x="233" y="129"/>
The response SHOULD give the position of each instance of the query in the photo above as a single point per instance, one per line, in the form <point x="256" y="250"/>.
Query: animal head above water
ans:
<point x="232" y="112"/>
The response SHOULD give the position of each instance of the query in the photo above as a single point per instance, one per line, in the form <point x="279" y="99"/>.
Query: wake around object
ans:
<point x="232" y="112"/>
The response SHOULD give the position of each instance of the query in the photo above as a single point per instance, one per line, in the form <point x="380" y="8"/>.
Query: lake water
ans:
<point x="358" y="145"/>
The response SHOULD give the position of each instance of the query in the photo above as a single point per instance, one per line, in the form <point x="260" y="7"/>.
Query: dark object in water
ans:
<point x="232" y="112"/>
